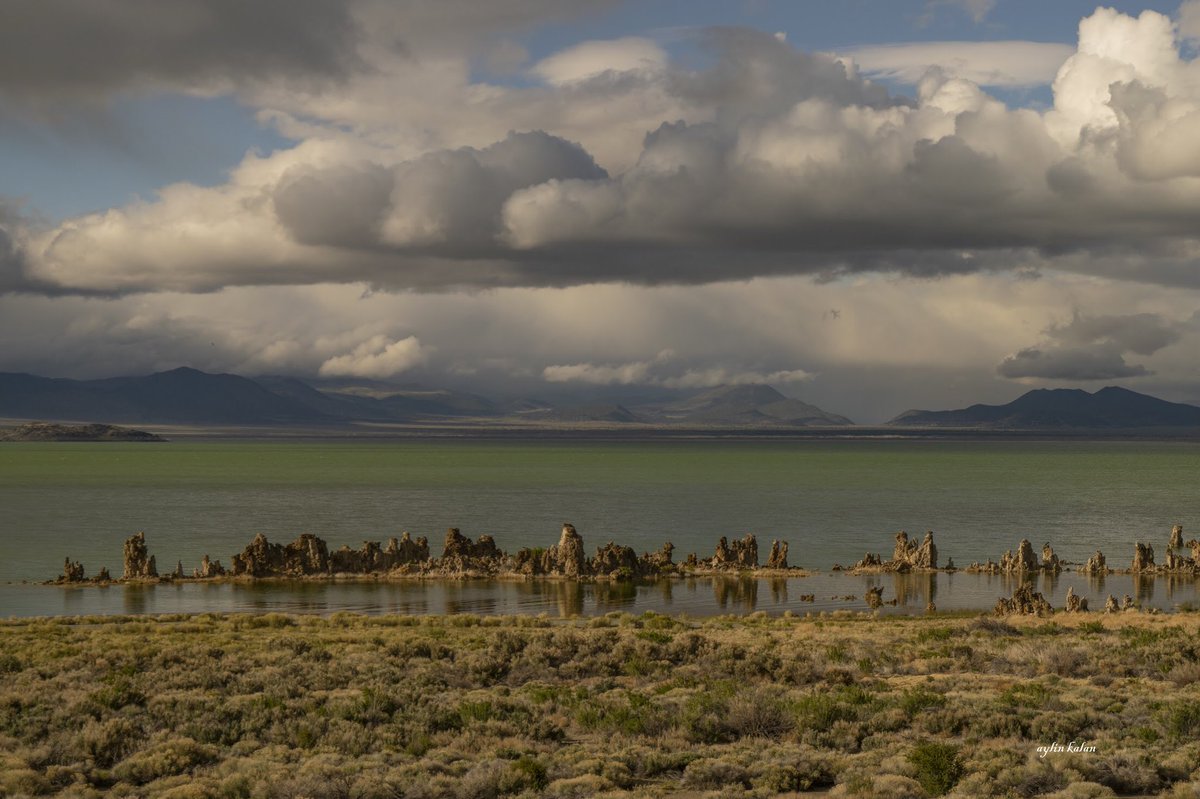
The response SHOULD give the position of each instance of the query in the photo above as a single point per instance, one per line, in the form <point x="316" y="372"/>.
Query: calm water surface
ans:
<point x="832" y="501"/>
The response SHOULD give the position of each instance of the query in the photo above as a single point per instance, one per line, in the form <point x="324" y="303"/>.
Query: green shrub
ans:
<point x="175" y="756"/>
<point x="1183" y="719"/>
<point x="937" y="766"/>
<point x="914" y="700"/>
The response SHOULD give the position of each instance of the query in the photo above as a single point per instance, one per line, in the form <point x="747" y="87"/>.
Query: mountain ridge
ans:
<point x="189" y="396"/>
<point x="1112" y="407"/>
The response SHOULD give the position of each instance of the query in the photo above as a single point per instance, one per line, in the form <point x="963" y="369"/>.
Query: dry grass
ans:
<point x="475" y="708"/>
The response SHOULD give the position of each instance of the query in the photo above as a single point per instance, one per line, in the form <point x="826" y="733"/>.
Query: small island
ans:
<point x="49" y="431"/>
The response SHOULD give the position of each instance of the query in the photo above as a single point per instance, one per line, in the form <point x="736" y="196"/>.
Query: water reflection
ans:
<point x="695" y="596"/>
<point x="914" y="589"/>
<point x="740" y="592"/>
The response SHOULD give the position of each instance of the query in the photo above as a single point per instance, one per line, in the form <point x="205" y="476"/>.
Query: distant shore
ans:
<point x="612" y="431"/>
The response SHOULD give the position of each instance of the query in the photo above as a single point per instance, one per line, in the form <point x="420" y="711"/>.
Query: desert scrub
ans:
<point x="449" y="707"/>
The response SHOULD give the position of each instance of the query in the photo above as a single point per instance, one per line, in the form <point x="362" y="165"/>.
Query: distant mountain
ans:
<point x="748" y="405"/>
<point x="180" y="396"/>
<point x="1111" y="407"/>
<point x="188" y="396"/>
<point x="585" y="413"/>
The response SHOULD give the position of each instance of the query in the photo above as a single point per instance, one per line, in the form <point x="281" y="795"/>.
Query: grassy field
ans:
<point x="474" y="708"/>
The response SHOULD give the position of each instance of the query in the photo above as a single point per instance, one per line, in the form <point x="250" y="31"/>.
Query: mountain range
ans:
<point x="190" y="397"/>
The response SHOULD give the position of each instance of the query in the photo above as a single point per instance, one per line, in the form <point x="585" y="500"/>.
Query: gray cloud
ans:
<point x="1094" y="348"/>
<point x="79" y="48"/>
<point x="1098" y="362"/>
<point x="1143" y="333"/>
<point x="447" y="202"/>
<point x="769" y="161"/>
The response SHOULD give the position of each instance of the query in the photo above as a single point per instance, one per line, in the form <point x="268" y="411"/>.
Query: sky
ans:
<point x="872" y="205"/>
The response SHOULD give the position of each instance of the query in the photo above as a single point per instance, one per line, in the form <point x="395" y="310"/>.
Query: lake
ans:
<point x="831" y="500"/>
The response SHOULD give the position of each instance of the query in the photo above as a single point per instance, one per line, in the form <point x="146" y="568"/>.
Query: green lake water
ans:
<point x="831" y="500"/>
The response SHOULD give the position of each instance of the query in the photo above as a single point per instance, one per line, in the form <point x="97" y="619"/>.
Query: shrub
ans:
<point x="801" y="772"/>
<point x="1183" y="719"/>
<point x="713" y="773"/>
<point x="759" y="712"/>
<point x="171" y="757"/>
<point x="937" y="766"/>
<point x="914" y="700"/>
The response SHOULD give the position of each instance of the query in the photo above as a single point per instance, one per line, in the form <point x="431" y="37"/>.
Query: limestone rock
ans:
<point x="307" y="555"/>
<point x="1127" y="603"/>
<point x="1024" y="601"/>
<point x="660" y="562"/>
<point x="1076" y="603"/>
<point x="1025" y="560"/>
<point x="407" y="550"/>
<point x="72" y="572"/>
<point x="178" y="573"/>
<point x="913" y="555"/>
<point x="778" y="557"/>
<point x="139" y="564"/>
<point x="1096" y="564"/>
<point x="1050" y="561"/>
<point x="737" y="554"/>
<point x="874" y="597"/>
<point x="1143" y="558"/>
<point x="869" y="561"/>
<point x="1111" y="605"/>
<point x="1176" y="538"/>
<point x="209" y="568"/>
<point x="566" y="558"/>
<point x="103" y="576"/>
<point x="617" y="561"/>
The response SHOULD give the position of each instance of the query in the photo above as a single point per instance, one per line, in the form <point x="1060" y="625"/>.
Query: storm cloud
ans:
<point x="449" y="210"/>
<point x="55" y="49"/>
<point x="769" y="161"/>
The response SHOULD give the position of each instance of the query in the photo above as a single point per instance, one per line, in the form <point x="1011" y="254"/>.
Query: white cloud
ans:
<point x="591" y="59"/>
<point x="377" y="357"/>
<point x="1007" y="64"/>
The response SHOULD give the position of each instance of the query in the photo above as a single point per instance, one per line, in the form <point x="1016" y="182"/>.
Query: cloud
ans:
<point x="660" y="371"/>
<point x="1099" y="362"/>
<point x="592" y="59"/>
<point x="377" y="357"/>
<point x="1189" y="20"/>
<point x="977" y="10"/>
<point x="54" y="49"/>
<point x="1011" y="64"/>
<point x="1094" y="348"/>
<point x="599" y="374"/>
<point x="627" y="166"/>
<point x="1143" y="333"/>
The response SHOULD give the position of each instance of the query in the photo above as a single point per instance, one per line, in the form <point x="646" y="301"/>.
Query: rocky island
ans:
<point x="48" y="431"/>
<point x="309" y="557"/>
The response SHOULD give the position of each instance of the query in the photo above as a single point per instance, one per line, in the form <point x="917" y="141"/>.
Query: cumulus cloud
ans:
<point x="627" y="166"/>
<point x="1094" y="348"/>
<point x="377" y="357"/>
